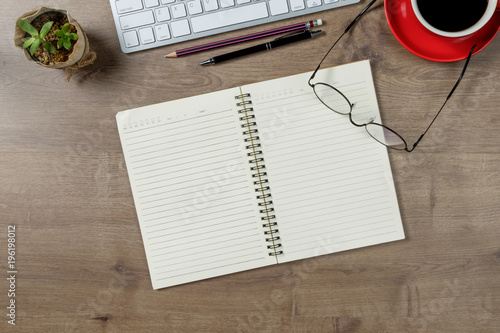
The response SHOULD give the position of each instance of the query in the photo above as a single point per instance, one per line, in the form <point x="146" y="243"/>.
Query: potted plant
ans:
<point x="52" y="38"/>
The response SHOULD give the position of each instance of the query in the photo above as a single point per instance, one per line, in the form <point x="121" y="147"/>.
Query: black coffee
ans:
<point x="452" y="15"/>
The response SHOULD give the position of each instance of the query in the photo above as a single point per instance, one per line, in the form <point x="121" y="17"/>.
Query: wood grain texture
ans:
<point x="80" y="257"/>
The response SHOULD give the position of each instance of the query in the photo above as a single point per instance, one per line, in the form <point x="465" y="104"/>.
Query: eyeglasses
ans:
<point x="336" y="101"/>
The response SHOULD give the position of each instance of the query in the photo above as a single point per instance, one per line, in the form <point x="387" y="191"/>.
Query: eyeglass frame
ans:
<point x="312" y="85"/>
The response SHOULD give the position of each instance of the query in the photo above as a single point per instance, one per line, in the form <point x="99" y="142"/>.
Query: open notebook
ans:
<point x="257" y="175"/>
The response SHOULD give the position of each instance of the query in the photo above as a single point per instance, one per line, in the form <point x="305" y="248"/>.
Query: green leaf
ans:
<point x="28" y="41"/>
<point x="28" y="28"/>
<point x="73" y="36"/>
<point x="49" y="47"/>
<point x="45" y="29"/>
<point x="59" y="33"/>
<point x="35" y="46"/>
<point x="65" y="27"/>
<point x="67" y="45"/>
<point x="60" y="43"/>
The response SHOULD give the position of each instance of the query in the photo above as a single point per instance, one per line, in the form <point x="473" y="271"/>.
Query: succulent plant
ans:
<point x="65" y="37"/>
<point x="37" y="38"/>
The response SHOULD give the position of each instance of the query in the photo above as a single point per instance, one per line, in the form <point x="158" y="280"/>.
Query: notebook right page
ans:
<point x="331" y="183"/>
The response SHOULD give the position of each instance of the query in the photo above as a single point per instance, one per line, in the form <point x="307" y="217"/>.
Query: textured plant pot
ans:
<point x="81" y="54"/>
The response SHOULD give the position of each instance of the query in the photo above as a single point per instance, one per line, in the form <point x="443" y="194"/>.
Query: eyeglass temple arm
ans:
<point x="447" y="98"/>
<point x="359" y="16"/>
<point x="346" y="30"/>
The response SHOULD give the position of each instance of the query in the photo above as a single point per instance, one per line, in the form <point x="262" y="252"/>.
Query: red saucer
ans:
<point x="426" y="44"/>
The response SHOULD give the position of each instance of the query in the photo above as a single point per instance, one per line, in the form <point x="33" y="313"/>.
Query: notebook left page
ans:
<point x="192" y="188"/>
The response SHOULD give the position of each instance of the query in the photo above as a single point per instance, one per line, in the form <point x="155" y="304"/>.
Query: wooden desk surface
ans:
<point x="80" y="259"/>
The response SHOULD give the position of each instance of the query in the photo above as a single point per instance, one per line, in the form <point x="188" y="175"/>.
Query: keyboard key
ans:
<point x="151" y="3"/>
<point x="127" y="6"/>
<point x="130" y="38"/>
<point x="227" y="3"/>
<point x="164" y="2"/>
<point x="162" y="32"/>
<point x="313" y="3"/>
<point x="180" y="28"/>
<point x="178" y="10"/>
<point x="162" y="14"/>
<point x="146" y="35"/>
<point x="296" y="5"/>
<point x="137" y="20"/>
<point x="210" y="5"/>
<point x="229" y="17"/>
<point x="326" y="2"/>
<point x="278" y="7"/>
<point x="194" y="7"/>
<point x="239" y="2"/>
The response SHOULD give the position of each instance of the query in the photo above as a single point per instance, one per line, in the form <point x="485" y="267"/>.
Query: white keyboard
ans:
<point x="144" y="24"/>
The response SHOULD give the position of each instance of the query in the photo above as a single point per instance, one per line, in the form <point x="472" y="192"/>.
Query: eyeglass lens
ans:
<point x="336" y="101"/>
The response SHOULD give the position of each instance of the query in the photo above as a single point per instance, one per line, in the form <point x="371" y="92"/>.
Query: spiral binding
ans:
<point x="260" y="181"/>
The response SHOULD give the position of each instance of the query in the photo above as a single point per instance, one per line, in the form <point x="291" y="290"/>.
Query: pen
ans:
<point x="277" y="31"/>
<point x="262" y="47"/>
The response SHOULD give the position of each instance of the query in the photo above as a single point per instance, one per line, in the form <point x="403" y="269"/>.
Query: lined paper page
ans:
<point x="192" y="190"/>
<point x="331" y="182"/>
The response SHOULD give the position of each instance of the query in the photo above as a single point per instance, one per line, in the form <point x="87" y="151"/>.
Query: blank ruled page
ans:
<point x="192" y="189"/>
<point x="331" y="183"/>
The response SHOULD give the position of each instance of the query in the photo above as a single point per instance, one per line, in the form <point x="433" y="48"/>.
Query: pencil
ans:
<point x="209" y="46"/>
